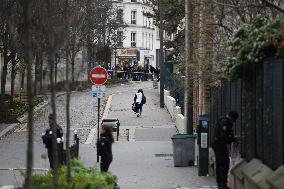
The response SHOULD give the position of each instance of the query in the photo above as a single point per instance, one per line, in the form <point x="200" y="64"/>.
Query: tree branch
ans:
<point x="272" y="5"/>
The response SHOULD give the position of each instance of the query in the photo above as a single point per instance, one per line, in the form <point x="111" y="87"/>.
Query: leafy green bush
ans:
<point x="37" y="100"/>
<point x="253" y="43"/>
<point x="19" y="108"/>
<point x="82" y="178"/>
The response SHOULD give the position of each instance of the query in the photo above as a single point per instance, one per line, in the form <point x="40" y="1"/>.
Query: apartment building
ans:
<point x="139" y="39"/>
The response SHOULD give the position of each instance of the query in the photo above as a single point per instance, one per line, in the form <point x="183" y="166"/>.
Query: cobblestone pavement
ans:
<point x="13" y="146"/>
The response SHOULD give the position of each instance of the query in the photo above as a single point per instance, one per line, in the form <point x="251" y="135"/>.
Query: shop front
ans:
<point x="125" y="57"/>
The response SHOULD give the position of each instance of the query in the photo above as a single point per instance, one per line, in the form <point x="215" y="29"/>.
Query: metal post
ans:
<point x="161" y="61"/>
<point x="115" y="58"/>
<point x="98" y="131"/>
<point x="118" y="125"/>
<point x="76" y="138"/>
<point x="115" y="55"/>
<point x="127" y="133"/>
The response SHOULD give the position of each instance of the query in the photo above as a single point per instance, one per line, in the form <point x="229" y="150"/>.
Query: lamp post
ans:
<point x="115" y="55"/>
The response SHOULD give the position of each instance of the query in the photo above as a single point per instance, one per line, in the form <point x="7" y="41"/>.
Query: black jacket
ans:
<point x="224" y="132"/>
<point x="104" y="146"/>
<point x="47" y="137"/>
<point x="143" y="99"/>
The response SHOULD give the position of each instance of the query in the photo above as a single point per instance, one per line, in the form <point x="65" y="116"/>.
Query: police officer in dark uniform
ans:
<point x="47" y="138"/>
<point x="223" y="138"/>
<point x="104" y="146"/>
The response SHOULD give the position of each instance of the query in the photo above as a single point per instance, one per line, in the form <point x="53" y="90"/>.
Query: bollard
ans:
<point x="127" y="133"/>
<point x="60" y="151"/>
<point x="76" y="140"/>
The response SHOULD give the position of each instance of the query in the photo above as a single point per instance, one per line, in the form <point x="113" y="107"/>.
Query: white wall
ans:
<point x="146" y="32"/>
<point x="175" y="112"/>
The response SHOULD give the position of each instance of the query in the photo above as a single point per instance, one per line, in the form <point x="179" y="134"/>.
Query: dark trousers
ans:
<point x="222" y="164"/>
<point x="105" y="163"/>
<point x="138" y="108"/>
<point x="50" y="157"/>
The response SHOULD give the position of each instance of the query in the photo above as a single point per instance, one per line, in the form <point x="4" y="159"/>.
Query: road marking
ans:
<point x="98" y="75"/>
<point x="92" y="133"/>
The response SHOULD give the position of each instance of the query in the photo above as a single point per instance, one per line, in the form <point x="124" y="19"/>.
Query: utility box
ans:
<point x="276" y="180"/>
<point x="255" y="175"/>
<point x="203" y="145"/>
<point x="184" y="150"/>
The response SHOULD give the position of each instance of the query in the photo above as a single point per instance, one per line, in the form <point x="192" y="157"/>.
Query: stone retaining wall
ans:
<point x="175" y="112"/>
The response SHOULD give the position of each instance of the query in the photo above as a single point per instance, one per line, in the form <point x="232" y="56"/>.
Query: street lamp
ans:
<point x="115" y="55"/>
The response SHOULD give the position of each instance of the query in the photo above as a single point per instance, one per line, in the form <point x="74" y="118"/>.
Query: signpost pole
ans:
<point x="98" y="132"/>
<point x="98" y="77"/>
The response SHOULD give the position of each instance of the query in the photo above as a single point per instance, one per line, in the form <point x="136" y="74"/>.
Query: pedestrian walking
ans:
<point x="47" y="137"/>
<point x="223" y="138"/>
<point x="139" y="100"/>
<point x="104" y="146"/>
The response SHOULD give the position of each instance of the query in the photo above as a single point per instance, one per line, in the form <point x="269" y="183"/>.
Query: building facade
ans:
<point x="139" y="39"/>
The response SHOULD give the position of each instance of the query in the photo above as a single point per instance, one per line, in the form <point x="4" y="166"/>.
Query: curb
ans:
<point x="92" y="133"/>
<point x="7" y="187"/>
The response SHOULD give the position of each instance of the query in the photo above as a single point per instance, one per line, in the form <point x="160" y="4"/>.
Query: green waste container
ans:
<point x="183" y="150"/>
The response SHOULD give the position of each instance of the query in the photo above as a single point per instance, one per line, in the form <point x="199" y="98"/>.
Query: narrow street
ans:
<point x="143" y="162"/>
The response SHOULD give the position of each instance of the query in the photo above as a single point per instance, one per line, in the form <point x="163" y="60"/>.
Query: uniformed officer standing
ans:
<point x="47" y="138"/>
<point x="223" y="138"/>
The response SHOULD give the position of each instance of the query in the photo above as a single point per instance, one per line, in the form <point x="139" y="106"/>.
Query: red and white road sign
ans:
<point x="98" y="76"/>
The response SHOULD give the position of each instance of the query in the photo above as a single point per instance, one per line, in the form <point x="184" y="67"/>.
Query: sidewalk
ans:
<point x="145" y="162"/>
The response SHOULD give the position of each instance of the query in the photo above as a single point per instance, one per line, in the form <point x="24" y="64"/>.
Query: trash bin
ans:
<point x="183" y="149"/>
<point x="114" y="123"/>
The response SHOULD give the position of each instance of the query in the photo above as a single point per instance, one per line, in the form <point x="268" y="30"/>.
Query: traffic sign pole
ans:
<point x="98" y="77"/>
<point x="98" y="135"/>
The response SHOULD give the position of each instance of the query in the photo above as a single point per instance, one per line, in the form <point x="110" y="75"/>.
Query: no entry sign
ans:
<point x="98" y="76"/>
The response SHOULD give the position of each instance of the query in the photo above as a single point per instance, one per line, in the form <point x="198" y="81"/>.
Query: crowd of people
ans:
<point x="135" y="72"/>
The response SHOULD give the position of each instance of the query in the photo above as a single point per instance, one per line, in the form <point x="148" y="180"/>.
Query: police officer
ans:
<point x="47" y="138"/>
<point x="223" y="138"/>
<point x="104" y="146"/>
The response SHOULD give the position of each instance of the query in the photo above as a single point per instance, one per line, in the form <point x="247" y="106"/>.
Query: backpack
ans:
<point x="143" y="99"/>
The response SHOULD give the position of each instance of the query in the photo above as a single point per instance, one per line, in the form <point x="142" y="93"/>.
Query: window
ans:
<point x="119" y="38"/>
<point x="142" y="39"/>
<point x="152" y="42"/>
<point x="146" y="35"/>
<point x="120" y="16"/>
<point x="133" y="39"/>
<point x="149" y="41"/>
<point x="133" y="17"/>
<point x="133" y="0"/>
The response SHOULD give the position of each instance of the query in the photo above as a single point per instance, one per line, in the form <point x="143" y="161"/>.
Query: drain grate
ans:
<point x="164" y="155"/>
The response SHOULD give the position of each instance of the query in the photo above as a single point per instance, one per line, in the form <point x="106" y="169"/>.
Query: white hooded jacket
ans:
<point x="139" y="97"/>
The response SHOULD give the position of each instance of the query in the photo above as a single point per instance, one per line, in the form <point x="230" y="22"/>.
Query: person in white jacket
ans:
<point x="139" y="101"/>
